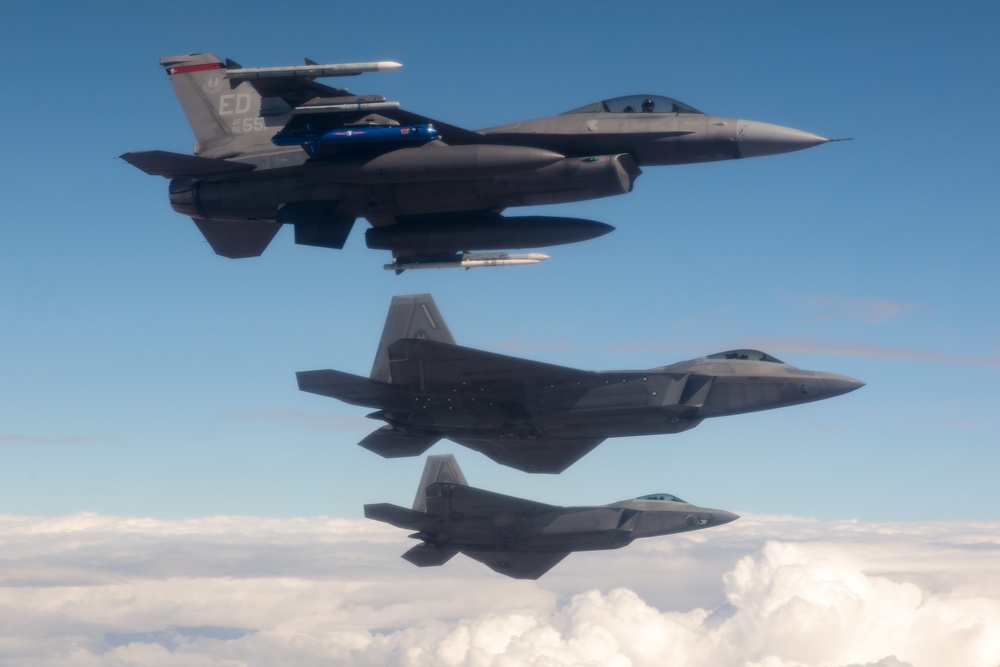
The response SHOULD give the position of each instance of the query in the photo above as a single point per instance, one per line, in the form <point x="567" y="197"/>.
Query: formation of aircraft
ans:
<point x="276" y="148"/>
<point x="521" y="538"/>
<point x="539" y="417"/>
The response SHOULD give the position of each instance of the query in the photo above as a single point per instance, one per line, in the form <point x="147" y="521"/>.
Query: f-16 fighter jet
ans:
<point x="524" y="539"/>
<point x="538" y="417"/>
<point x="276" y="148"/>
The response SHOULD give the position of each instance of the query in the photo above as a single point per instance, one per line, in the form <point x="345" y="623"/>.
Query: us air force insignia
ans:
<point x="213" y="83"/>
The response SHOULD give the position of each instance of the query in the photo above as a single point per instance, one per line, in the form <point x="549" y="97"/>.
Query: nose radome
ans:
<point x="841" y="384"/>
<point x="758" y="139"/>
<point x="720" y="517"/>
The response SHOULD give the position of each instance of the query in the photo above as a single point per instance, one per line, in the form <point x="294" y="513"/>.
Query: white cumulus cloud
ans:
<point x="762" y="592"/>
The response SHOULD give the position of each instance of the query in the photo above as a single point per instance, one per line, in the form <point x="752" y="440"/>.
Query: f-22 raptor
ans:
<point x="524" y="539"/>
<point x="539" y="417"/>
<point x="276" y="148"/>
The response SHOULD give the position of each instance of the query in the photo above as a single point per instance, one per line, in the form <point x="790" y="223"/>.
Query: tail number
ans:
<point x="247" y="124"/>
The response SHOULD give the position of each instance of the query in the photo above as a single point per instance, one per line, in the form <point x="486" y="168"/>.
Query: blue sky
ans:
<point x="142" y="375"/>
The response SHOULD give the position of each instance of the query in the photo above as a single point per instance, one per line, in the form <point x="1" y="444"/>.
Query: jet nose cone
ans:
<point x="758" y="139"/>
<point x="841" y="384"/>
<point x="720" y="517"/>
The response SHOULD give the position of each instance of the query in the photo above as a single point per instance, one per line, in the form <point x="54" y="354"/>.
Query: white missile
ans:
<point x="312" y="71"/>
<point x="468" y="261"/>
<point x="338" y="108"/>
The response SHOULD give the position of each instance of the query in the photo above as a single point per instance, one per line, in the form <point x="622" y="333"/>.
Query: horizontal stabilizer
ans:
<point x="353" y="389"/>
<point x="237" y="240"/>
<point x="518" y="564"/>
<point x="392" y="443"/>
<point x="401" y="517"/>
<point x="541" y="455"/>
<point x="425" y="555"/>
<point x="178" y="165"/>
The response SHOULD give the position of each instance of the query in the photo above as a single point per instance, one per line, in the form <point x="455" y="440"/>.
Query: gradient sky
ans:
<point x="142" y="375"/>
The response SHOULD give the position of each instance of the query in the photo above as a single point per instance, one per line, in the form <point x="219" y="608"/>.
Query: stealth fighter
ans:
<point x="276" y="148"/>
<point x="524" y="539"/>
<point x="539" y="417"/>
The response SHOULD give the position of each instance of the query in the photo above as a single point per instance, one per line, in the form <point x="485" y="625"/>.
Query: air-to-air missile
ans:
<point x="472" y="260"/>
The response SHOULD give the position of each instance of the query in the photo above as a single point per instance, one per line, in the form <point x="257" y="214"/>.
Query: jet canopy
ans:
<point x="662" y="496"/>
<point x="746" y="355"/>
<point x="637" y="104"/>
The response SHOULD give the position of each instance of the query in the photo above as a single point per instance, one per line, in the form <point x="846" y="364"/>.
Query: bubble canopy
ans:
<point x="746" y="355"/>
<point x="662" y="496"/>
<point x="637" y="104"/>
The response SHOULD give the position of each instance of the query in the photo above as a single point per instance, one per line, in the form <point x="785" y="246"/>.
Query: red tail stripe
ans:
<point x="194" y="68"/>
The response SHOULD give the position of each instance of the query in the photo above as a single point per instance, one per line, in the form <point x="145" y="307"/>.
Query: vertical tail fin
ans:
<point x="217" y="108"/>
<point x="442" y="468"/>
<point x="410" y="316"/>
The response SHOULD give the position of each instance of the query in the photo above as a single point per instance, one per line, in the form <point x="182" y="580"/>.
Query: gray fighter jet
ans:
<point x="538" y="417"/>
<point x="521" y="538"/>
<point x="276" y="148"/>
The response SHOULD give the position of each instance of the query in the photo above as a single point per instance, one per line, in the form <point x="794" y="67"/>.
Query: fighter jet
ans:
<point x="539" y="417"/>
<point x="524" y="539"/>
<point x="276" y="148"/>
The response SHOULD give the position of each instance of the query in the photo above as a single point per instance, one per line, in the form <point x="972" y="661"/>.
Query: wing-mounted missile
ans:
<point x="329" y="112"/>
<point x="465" y="260"/>
<point x="314" y="140"/>
<point x="346" y="104"/>
<point x="310" y="70"/>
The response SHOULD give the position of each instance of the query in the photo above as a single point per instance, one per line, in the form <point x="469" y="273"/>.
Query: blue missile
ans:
<point x="358" y="135"/>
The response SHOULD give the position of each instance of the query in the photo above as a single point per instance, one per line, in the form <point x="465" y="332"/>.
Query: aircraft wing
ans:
<point x="448" y="498"/>
<point x="450" y="134"/>
<point x="541" y="455"/>
<point x="419" y="362"/>
<point x="518" y="564"/>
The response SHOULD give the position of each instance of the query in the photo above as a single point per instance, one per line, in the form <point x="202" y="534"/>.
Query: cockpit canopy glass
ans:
<point x="746" y="355"/>
<point x="662" y="496"/>
<point x="637" y="104"/>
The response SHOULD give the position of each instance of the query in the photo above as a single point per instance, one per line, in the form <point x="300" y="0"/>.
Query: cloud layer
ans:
<point x="762" y="592"/>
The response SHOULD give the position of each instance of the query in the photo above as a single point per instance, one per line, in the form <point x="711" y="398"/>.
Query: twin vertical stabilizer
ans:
<point x="411" y="316"/>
